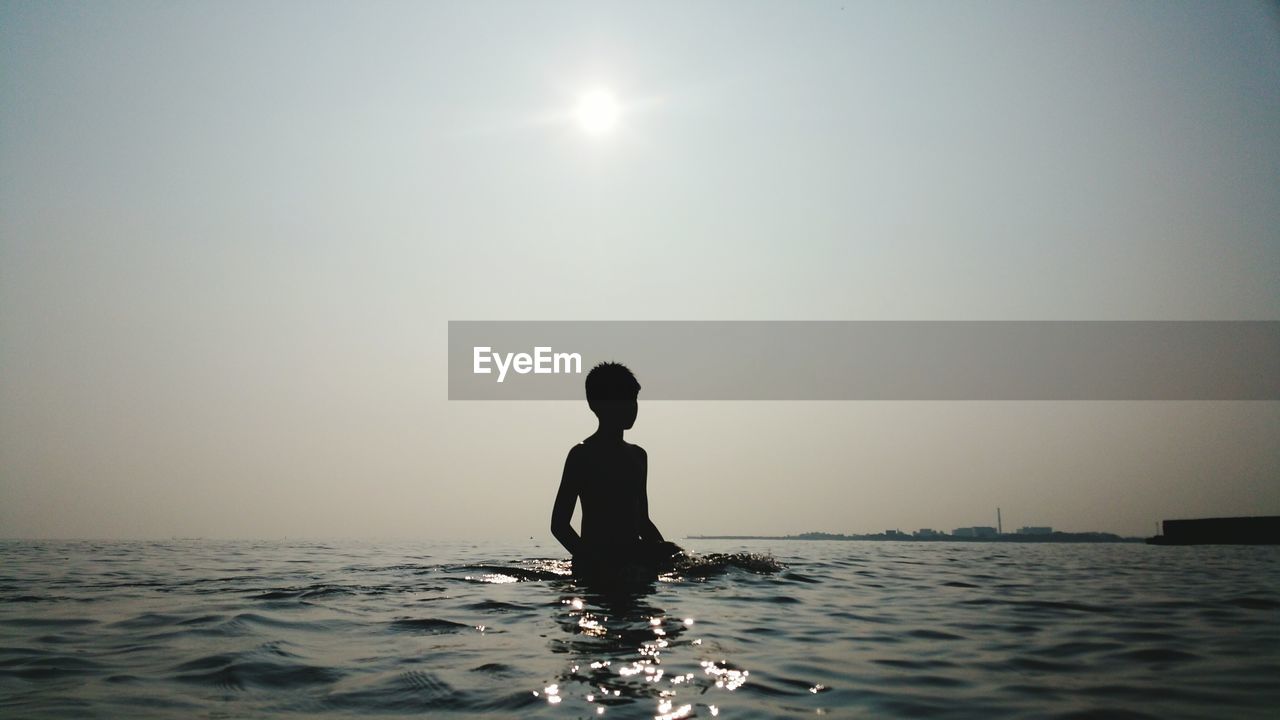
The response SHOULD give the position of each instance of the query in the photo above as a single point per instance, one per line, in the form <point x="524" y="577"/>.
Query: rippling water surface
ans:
<point x="848" y="629"/>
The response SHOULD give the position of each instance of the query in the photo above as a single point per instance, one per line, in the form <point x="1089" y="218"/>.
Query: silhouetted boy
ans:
<point x="608" y="474"/>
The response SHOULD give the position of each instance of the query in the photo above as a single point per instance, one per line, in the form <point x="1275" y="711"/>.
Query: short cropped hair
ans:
<point x="611" y="382"/>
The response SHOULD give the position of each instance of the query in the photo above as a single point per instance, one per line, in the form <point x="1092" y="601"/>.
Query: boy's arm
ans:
<point x="562" y="512"/>
<point x="648" y="531"/>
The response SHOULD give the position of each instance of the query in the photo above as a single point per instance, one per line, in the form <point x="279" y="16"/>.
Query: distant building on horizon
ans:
<point x="1035" y="530"/>
<point x="976" y="532"/>
<point x="928" y="533"/>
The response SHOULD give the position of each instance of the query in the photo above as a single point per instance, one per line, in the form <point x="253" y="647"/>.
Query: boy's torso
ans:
<point x="611" y="488"/>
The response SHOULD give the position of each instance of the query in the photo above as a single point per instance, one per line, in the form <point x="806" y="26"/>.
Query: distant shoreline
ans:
<point x="1056" y="537"/>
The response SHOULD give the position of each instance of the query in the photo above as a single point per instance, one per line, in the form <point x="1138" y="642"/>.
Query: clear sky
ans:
<point x="231" y="236"/>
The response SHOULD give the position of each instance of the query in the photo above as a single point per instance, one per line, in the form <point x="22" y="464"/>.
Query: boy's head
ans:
<point x="612" y="391"/>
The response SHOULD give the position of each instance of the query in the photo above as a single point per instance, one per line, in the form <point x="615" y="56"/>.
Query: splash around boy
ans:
<point x="609" y="476"/>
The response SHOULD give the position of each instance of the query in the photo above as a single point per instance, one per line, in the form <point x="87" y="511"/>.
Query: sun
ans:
<point x="597" y="112"/>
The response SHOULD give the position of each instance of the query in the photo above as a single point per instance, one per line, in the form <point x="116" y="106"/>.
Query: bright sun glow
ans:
<point x="597" y="112"/>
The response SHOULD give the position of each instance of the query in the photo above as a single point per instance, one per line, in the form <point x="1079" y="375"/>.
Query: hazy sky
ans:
<point x="232" y="234"/>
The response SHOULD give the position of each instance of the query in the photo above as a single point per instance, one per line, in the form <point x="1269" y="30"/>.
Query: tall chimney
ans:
<point x="999" y="525"/>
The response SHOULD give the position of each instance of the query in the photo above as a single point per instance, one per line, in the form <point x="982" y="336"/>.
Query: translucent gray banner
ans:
<point x="870" y="360"/>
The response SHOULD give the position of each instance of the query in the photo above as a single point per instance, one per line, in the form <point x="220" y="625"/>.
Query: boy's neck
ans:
<point x="609" y="433"/>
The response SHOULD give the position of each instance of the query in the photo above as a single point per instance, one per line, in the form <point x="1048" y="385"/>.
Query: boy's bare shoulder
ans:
<point x="639" y="451"/>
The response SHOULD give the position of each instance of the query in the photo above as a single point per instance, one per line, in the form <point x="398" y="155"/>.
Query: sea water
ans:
<point x="765" y="629"/>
